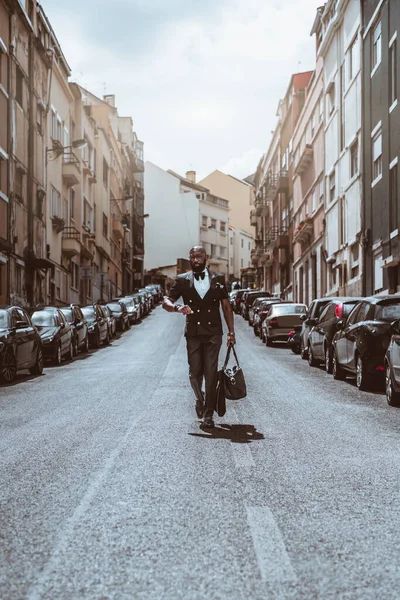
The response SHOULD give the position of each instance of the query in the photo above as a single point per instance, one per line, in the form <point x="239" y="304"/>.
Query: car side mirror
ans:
<point x="62" y="325"/>
<point x="340" y="325"/>
<point x="20" y="325"/>
<point x="303" y="317"/>
<point x="395" y="327"/>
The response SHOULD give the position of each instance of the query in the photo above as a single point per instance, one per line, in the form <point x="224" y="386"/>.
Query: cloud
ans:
<point x="201" y="80"/>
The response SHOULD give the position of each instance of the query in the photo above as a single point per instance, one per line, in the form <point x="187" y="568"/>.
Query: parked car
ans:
<point x="324" y="328"/>
<point x="238" y="301"/>
<point x="294" y="341"/>
<point x="280" y="320"/>
<point x="360" y="345"/>
<point x="313" y="312"/>
<point x="55" y="333"/>
<point x="132" y="308"/>
<point x="149" y="296"/>
<point x="20" y="344"/>
<point x="392" y="367"/>
<point x="97" y="325"/>
<point x="118" y="309"/>
<point x="112" y="323"/>
<point x="80" y="335"/>
<point x="254" y="308"/>
<point x="248" y="299"/>
<point x="262" y="312"/>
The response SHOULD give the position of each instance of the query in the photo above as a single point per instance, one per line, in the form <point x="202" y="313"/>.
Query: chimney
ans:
<point x="110" y="99"/>
<point x="191" y="175"/>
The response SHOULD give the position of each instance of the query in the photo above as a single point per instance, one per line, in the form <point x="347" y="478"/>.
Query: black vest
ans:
<point x="206" y="317"/>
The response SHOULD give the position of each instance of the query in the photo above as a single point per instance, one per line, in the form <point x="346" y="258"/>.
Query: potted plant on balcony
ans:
<point x="58" y="223"/>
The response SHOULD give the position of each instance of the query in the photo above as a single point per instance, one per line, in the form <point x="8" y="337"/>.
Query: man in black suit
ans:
<point x="203" y="291"/>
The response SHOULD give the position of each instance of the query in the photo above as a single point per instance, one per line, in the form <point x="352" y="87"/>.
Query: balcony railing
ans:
<point x="71" y="242"/>
<point x="304" y="231"/>
<point x="277" y="237"/>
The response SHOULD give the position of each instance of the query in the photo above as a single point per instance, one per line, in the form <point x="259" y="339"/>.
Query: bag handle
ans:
<point x="228" y="353"/>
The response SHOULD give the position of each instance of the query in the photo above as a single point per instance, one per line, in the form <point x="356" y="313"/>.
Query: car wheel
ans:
<point x="107" y="340"/>
<point x="58" y="357"/>
<point x="311" y="360"/>
<point x="392" y="397"/>
<point x="86" y="344"/>
<point x="303" y="352"/>
<point x="362" y="378"/>
<point x="328" y="360"/>
<point x="96" y="343"/>
<point x="268" y="341"/>
<point x="8" y="369"/>
<point x="37" y="368"/>
<point x="255" y="329"/>
<point x="337" y="370"/>
<point x="76" y="346"/>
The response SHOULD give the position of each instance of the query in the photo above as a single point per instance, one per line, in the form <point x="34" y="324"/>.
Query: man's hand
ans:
<point x="231" y="339"/>
<point x="184" y="310"/>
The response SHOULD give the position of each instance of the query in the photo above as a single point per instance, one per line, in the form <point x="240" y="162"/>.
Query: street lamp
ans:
<point x="57" y="150"/>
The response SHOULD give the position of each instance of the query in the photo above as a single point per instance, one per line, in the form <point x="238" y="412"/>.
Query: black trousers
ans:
<point x="203" y="352"/>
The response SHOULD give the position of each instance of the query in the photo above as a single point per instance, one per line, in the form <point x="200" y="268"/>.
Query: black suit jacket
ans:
<point x="206" y="317"/>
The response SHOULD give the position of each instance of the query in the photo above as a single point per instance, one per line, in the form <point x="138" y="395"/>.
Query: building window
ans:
<point x="105" y="173"/>
<point x="72" y="204"/>
<point x="393" y="197"/>
<point x="342" y="111"/>
<point x="241" y="243"/>
<point x="222" y="251"/>
<point x="105" y="225"/>
<point x="18" y="279"/>
<point x="354" y="159"/>
<point x="312" y="125"/>
<point x="377" y="46"/>
<point x="58" y="284"/>
<point x="231" y="240"/>
<point x="321" y="190"/>
<point x="321" y="109"/>
<point x="222" y="226"/>
<point x="19" y="87"/>
<point x="313" y="202"/>
<point x="39" y="119"/>
<point x="249" y="245"/>
<point x="331" y="98"/>
<point x="87" y="215"/>
<point x="241" y="263"/>
<point x="213" y="224"/>
<point x="65" y="210"/>
<point x="377" y="155"/>
<point x="353" y="59"/>
<point x="378" y="273"/>
<point x="342" y="221"/>
<point x="19" y="184"/>
<point x="213" y="250"/>
<point x="55" y="208"/>
<point x="203" y="221"/>
<point x="332" y="187"/>
<point x="393" y="73"/>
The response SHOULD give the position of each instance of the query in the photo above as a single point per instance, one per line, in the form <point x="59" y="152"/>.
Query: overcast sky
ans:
<point x="201" y="78"/>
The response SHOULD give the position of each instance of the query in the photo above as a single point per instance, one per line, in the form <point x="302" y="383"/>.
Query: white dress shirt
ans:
<point x="202" y="285"/>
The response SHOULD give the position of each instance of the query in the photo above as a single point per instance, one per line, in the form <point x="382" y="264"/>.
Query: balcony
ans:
<point x="71" y="173"/>
<point x="304" y="160"/>
<point x="71" y="242"/>
<point x="282" y="181"/>
<point x="254" y="257"/>
<point x="117" y="229"/>
<point x="277" y="237"/>
<point x="304" y="232"/>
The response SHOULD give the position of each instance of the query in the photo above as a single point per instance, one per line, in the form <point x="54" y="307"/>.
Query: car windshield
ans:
<point x="387" y="312"/>
<point x="115" y="307"/>
<point x="89" y="313"/>
<point x="128" y="303"/>
<point x="3" y="319"/>
<point x="43" y="319"/>
<point x="288" y="309"/>
<point x="67" y="312"/>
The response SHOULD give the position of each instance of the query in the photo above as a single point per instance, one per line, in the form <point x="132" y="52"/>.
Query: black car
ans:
<point x="118" y="310"/>
<point x="261" y="313"/>
<point x="323" y="329"/>
<point x="20" y="344"/>
<point x="80" y="335"/>
<point x="313" y="312"/>
<point x="248" y="299"/>
<point x="238" y="301"/>
<point x="98" y="328"/>
<point x="55" y="333"/>
<point x="360" y="345"/>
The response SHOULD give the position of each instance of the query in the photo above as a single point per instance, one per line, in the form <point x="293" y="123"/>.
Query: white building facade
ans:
<point x="240" y="247"/>
<point x="340" y="49"/>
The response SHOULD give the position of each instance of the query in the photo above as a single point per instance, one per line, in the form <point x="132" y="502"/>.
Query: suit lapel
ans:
<point x="211" y="276"/>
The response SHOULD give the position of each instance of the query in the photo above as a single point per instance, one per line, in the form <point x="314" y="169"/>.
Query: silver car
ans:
<point x="280" y="321"/>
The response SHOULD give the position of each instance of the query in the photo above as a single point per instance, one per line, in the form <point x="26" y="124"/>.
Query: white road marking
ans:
<point x="272" y="557"/>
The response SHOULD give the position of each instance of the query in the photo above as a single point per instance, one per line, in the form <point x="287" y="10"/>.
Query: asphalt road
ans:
<point x="109" y="489"/>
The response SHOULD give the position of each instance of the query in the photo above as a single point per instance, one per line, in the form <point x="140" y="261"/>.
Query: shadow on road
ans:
<point x="238" y="434"/>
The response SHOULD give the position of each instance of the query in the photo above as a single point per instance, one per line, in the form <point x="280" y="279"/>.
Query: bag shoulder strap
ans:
<point x="228" y="354"/>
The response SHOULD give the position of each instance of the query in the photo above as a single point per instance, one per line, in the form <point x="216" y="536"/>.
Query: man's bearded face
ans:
<point x="198" y="259"/>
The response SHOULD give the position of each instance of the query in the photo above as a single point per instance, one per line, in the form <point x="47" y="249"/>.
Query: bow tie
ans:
<point x="199" y="275"/>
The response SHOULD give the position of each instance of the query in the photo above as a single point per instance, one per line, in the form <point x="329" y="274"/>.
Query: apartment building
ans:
<point x="340" y="49"/>
<point x="5" y="150"/>
<point x="240" y="196"/>
<point x="309" y="266"/>
<point x="381" y="147"/>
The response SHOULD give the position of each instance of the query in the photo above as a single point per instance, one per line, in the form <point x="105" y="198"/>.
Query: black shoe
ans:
<point x="208" y="423"/>
<point x="199" y="409"/>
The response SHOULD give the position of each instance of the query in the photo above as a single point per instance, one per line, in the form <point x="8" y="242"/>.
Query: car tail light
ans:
<point x="380" y="368"/>
<point x="339" y="311"/>
<point x="274" y="322"/>
<point x="291" y="333"/>
<point x="264" y="312"/>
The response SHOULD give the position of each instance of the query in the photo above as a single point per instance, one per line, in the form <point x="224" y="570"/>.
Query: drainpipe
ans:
<point x="30" y="273"/>
<point x="10" y="136"/>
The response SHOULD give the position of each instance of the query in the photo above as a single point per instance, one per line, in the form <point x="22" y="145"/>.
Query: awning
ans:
<point x="39" y="263"/>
